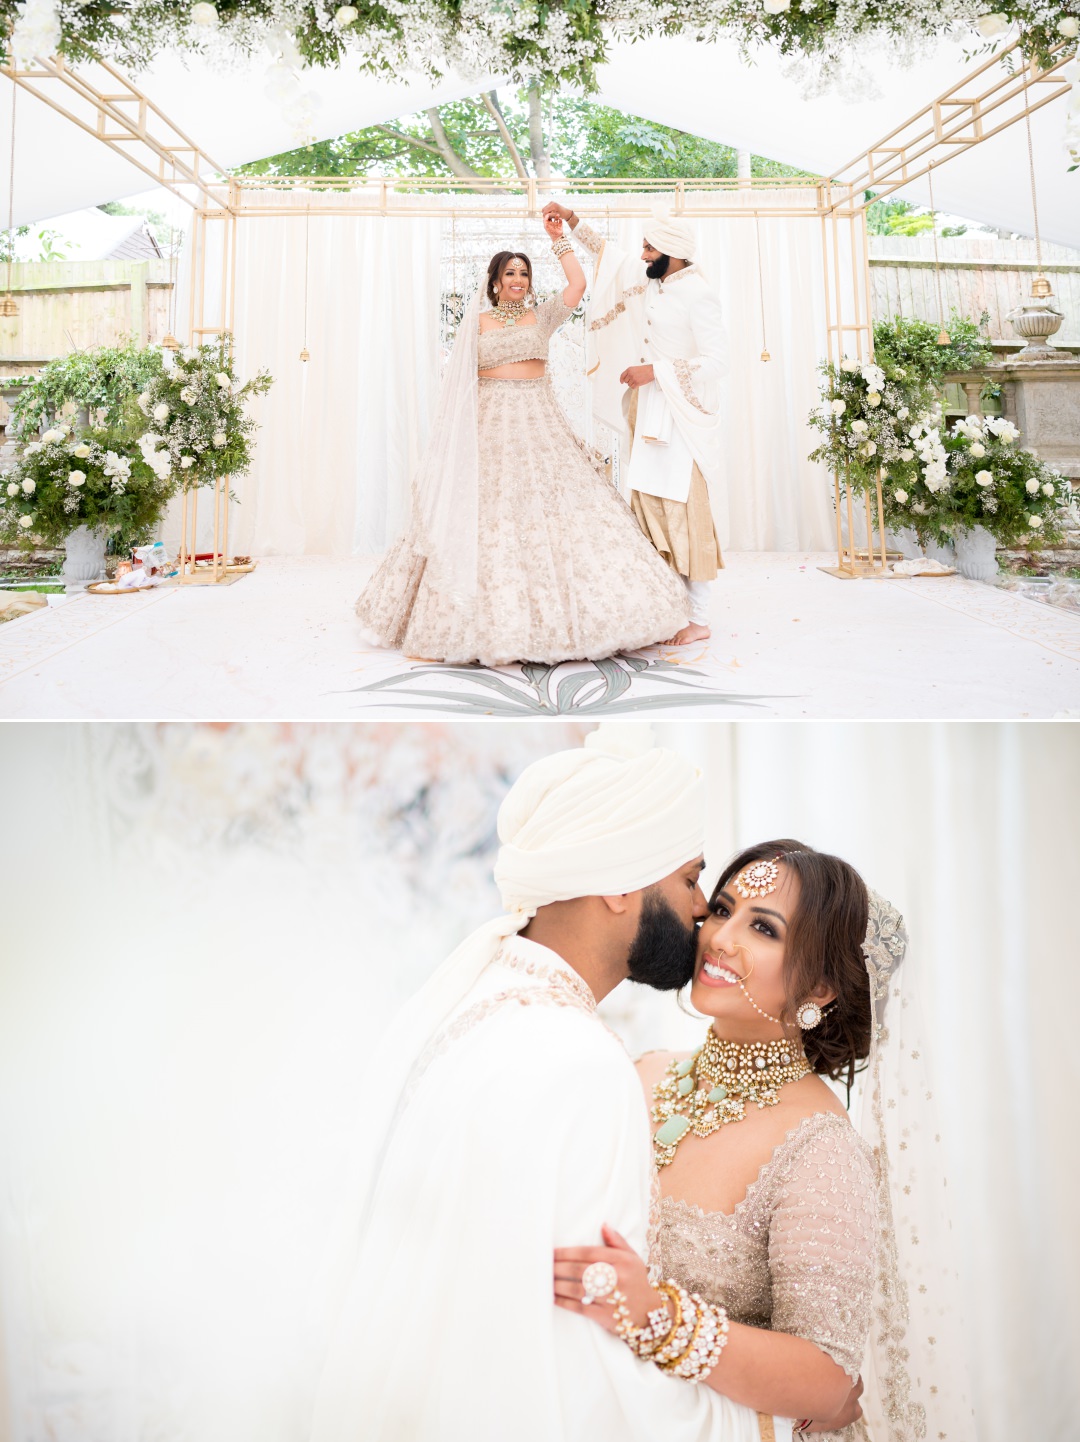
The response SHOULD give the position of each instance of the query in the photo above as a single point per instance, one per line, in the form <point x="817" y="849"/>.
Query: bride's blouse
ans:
<point x="797" y="1254"/>
<point x="504" y="345"/>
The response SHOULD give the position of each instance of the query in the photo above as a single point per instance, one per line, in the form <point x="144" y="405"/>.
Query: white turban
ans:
<point x="671" y="236"/>
<point x="613" y="817"/>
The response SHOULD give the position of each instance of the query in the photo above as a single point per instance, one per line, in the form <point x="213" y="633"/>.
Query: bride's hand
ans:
<point x="633" y="1281"/>
<point x="553" y="225"/>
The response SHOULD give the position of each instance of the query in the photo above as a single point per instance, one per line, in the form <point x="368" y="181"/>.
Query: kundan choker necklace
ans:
<point x="711" y="1087"/>
<point x="509" y="312"/>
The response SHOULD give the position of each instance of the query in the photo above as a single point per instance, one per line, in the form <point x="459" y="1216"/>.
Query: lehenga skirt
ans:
<point x="564" y="571"/>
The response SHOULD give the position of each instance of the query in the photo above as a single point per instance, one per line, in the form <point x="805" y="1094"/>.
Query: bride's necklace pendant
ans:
<point x="510" y="312"/>
<point x="711" y="1088"/>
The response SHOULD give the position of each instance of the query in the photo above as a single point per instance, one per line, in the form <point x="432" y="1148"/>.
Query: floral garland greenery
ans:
<point x="555" y="41"/>
<point x="107" y="478"/>
<point x="885" y="416"/>
<point x="197" y="407"/>
<point x="102" y="380"/>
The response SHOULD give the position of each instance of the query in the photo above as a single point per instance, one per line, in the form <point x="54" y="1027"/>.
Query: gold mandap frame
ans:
<point x="104" y="103"/>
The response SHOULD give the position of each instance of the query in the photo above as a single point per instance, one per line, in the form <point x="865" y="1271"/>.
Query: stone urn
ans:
<point x="976" y="554"/>
<point x="85" y="561"/>
<point x="1036" y="320"/>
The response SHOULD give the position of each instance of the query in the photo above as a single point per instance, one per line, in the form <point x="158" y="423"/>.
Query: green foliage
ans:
<point x="895" y="217"/>
<point x="867" y="410"/>
<point x="100" y="478"/>
<point x="583" y="139"/>
<point x="104" y="378"/>
<point x="913" y="344"/>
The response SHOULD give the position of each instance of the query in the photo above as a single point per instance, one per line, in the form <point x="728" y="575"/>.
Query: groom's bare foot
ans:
<point x="689" y="634"/>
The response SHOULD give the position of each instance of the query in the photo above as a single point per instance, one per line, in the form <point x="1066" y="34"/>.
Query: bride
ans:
<point x="517" y="549"/>
<point x="775" y="1231"/>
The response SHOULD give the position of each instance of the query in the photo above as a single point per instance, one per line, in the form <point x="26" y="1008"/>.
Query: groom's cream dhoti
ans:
<point x="670" y="427"/>
<point x="504" y="1119"/>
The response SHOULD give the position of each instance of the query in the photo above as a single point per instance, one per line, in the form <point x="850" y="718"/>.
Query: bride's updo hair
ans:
<point x="823" y="948"/>
<point x="497" y="264"/>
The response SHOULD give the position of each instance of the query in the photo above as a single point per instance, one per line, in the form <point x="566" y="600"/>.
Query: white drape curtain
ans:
<point x="204" y="930"/>
<point x="771" y="497"/>
<point x="339" y="435"/>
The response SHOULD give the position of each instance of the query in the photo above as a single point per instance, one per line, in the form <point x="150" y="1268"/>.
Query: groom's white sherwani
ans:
<point x="523" y="1129"/>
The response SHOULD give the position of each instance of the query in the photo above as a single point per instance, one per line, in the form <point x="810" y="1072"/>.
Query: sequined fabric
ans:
<point x="797" y="1254"/>
<point x="564" y="571"/>
<point x="503" y="345"/>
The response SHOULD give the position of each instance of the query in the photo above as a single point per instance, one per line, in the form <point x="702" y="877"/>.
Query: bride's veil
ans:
<point x="445" y="487"/>
<point x="915" y="1376"/>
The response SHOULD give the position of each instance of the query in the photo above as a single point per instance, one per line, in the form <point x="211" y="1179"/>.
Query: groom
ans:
<point x="659" y="334"/>
<point x="506" y="1119"/>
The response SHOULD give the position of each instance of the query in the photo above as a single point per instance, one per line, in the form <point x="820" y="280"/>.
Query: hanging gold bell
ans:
<point x="944" y="338"/>
<point x="765" y="355"/>
<point x="8" y="305"/>
<point x="305" y="354"/>
<point x="169" y="342"/>
<point x="1041" y="287"/>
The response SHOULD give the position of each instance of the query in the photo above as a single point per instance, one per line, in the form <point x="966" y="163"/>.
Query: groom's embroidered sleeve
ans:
<point x="587" y="238"/>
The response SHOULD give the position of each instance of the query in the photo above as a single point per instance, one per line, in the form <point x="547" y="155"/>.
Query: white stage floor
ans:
<point x="788" y="641"/>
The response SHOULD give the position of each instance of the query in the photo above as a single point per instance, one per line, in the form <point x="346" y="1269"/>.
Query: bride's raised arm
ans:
<point x="564" y="252"/>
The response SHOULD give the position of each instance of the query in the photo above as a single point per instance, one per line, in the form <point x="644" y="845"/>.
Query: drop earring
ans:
<point x="809" y="1015"/>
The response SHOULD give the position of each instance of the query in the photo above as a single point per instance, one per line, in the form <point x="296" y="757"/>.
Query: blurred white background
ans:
<point x="204" y="926"/>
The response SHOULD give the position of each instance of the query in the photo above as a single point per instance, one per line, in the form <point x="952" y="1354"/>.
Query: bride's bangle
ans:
<point x="645" y="1342"/>
<point x="561" y="247"/>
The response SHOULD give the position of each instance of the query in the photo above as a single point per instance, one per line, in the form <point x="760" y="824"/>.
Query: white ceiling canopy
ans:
<point x="706" y="89"/>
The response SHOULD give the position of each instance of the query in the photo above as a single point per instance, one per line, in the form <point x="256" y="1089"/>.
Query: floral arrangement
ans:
<point x="555" y="41"/>
<point x="106" y="479"/>
<point x="197" y="408"/>
<point x="867" y="413"/>
<point x="102" y="379"/>
<point x="975" y="475"/>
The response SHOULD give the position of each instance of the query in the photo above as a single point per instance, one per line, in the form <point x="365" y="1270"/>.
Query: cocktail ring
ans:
<point x="599" y="1280"/>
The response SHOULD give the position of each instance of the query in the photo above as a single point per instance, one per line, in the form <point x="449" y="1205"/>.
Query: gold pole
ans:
<point x="839" y="529"/>
<point x="9" y="306"/>
<point x="850" y="522"/>
<point x="881" y="521"/>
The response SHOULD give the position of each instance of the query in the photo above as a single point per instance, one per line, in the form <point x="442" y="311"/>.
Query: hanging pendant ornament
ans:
<point x="758" y="879"/>
<point x="809" y="1015"/>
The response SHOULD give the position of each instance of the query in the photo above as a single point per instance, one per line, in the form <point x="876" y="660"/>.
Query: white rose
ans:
<point x="29" y="486"/>
<point x="186" y="462"/>
<point x="187" y="395"/>
<point x="907" y="455"/>
<point x="900" y="371"/>
<point x="775" y="7"/>
<point x="26" y="522"/>
<point x="1069" y="26"/>
<point x="838" y="407"/>
<point x="223" y="380"/>
<point x="81" y="452"/>
<point x="51" y="436"/>
<point x="13" y="488"/>
<point x="977" y="450"/>
<point x="870" y="449"/>
<point x="1035" y="522"/>
<point x="143" y="401"/>
<point x="1032" y="487"/>
<point x="76" y="478"/>
<point x="859" y="427"/>
<point x="847" y="364"/>
<point x="204" y="13"/>
<point x="903" y="413"/>
<point x="900" y="497"/>
<point x="915" y="432"/>
<point x="344" y="15"/>
<point x="991" y="25"/>
<point x="161" y="411"/>
<point x="873" y="399"/>
<point x="919" y="508"/>
<point x="984" y="478"/>
<point x="1048" y="489"/>
<point x="219" y="439"/>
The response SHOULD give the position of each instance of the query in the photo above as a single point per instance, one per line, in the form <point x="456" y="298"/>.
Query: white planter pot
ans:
<point x="907" y="542"/>
<point x="976" y="554"/>
<point x="85" y="558"/>
<point x="945" y="554"/>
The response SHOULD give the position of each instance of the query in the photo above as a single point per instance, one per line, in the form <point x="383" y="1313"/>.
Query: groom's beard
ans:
<point x="657" y="268"/>
<point x="664" y="951"/>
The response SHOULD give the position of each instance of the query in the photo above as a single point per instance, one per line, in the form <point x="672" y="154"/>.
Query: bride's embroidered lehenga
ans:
<point x="563" y="571"/>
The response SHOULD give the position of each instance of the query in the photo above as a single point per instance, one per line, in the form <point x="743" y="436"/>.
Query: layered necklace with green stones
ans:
<point x="712" y="1087"/>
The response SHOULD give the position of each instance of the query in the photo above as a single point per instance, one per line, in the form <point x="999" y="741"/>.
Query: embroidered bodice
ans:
<point x="506" y="344"/>
<point x="797" y="1254"/>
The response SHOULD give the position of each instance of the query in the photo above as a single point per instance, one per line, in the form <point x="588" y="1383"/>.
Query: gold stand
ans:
<point x="218" y="572"/>
<point x="870" y="562"/>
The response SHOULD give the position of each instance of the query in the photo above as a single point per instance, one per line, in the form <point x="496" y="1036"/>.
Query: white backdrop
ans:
<point x="205" y="924"/>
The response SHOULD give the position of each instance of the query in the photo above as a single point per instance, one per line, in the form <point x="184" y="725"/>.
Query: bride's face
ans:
<point x="513" y="283"/>
<point x="745" y="938"/>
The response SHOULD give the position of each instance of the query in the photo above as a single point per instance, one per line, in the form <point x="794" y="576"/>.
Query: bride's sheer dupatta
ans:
<point x="446" y="487"/>
<point x="916" y="1372"/>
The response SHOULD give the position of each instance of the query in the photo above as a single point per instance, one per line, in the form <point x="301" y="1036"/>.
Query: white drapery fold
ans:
<point x="340" y="434"/>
